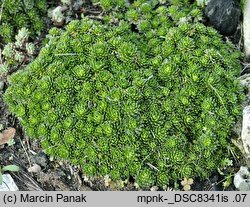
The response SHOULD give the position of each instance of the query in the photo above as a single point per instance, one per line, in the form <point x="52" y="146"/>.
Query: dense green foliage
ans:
<point x="16" y="14"/>
<point x="157" y="104"/>
<point x="140" y="10"/>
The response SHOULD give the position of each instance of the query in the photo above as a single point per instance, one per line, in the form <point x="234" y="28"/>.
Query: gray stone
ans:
<point x="242" y="179"/>
<point x="40" y="159"/>
<point x="224" y="15"/>
<point x="8" y="183"/>
<point x="245" y="133"/>
<point x="246" y="29"/>
<point x="245" y="80"/>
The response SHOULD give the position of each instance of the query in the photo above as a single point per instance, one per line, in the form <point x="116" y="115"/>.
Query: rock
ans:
<point x="154" y="188"/>
<point x="8" y="183"/>
<point x="242" y="179"/>
<point x="78" y="5"/>
<point x="245" y="134"/>
<point x="246" y="29"/>
<point x="35" y="168"/>
<point x="224" y="15"/>
<point x="40" y="159"/>
<point x="245" y="80"/>
<point x="57" y="15"/>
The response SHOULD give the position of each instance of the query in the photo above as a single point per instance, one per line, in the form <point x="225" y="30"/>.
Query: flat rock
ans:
<point x="35" y="168"/>
<point x="242" y="179"/>
<point x="224" y="15"/>
<point x="246" y="30"/>
<point x="8" y="183"/>
<point x="245" y="134"/>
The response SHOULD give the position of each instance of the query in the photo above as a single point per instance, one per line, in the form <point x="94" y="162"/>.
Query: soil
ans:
<point x="59" y="175"/>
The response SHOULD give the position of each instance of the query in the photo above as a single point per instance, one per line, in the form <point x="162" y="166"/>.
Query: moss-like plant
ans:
<point x="16" y="14"/>
<point x="157" y="104"/>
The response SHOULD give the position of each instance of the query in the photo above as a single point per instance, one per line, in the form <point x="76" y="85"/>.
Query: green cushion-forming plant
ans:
<point x="156" y="103"/>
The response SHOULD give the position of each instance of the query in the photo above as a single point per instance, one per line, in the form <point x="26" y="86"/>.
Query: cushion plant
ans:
<point x="156" y="103"/>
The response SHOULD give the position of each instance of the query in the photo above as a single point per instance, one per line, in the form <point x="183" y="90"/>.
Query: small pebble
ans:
<point x="224" y="15"/>
<point x="242" y="179"/>
<point x="35" y="168"/>
<point x="154" y="188"/>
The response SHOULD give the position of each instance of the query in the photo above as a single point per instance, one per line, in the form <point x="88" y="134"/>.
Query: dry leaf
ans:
<point x="6" y="135"/>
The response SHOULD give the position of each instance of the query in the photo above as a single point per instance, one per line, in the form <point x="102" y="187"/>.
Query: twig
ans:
<point x="142" y="164"/>
<point x="33" y="182"/>
<point x="150" y="77"/>
<point x="152" y="166"/>
<point x="245" y="67"/>
<point x="217" y="183"/>
<point x="67" y="54"/>
<point x="25" y="151"/>
<point x="93" y="12"/>
<point x="233" y="154"/>
<point x="35" y="185"/>
<point x="95" y="17"/>
<point x="27" y="141"/>
<point x="32" y="152"/>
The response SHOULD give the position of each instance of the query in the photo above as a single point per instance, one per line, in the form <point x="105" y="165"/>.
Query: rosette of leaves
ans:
<point x="18" y="52"/>
<point x="16" y="14"/>
<point x="157" y="105"/>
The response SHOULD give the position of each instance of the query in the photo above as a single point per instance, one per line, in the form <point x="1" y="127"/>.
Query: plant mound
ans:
<point x="16" y="14"/>
<point x="157" y="104"/>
